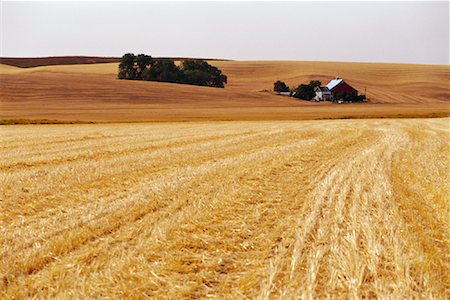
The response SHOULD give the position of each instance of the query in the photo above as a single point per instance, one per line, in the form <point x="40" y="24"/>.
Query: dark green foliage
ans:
<point x="141" y="63"/>
<point x="132" y="67"/>
<point x="361" y="98"/>
<point x="306" y="91"/>
<point x="349" y="97"/>
<point x="144" y="67"/>
<point x="314" y="83"/>
<point x="280" y="86"/>
<point x="195" y="76"/>
<point x="163" y="70"/>
<point x="126" y="70"/>
<point x="199" y="72"/>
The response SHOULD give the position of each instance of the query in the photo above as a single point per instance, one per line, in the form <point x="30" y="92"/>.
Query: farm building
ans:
<point x="322" y="94"/>
<point x="338" y="85"/>
<point x="334" y="89"/>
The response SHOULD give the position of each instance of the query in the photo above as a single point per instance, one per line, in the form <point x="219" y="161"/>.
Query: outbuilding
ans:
<point x="339" y="86"/>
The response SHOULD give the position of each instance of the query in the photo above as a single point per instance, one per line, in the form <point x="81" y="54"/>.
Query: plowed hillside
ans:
<point x="92" y="92"/>
<point x="29" y="62"/>
<point x="226" y="210"/>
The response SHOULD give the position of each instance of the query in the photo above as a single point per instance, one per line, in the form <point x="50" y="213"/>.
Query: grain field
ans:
<point x="260" y="210"/>
<point x="92" y="92"/>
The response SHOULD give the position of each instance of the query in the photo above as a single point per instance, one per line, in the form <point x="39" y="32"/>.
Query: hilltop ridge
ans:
<point x="30" y="62"/>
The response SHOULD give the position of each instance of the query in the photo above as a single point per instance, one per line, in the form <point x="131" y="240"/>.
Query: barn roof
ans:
<point x="334" y="83"/>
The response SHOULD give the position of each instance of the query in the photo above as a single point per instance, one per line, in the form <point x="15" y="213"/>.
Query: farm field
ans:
<point x="269" y="209"/>
<point x="91" y="92"/>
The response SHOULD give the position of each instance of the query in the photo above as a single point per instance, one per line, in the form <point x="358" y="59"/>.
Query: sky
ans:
<point x="359" y="31"/>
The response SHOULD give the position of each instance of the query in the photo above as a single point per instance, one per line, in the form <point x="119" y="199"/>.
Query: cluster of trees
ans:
<point x="349" y="97"/>
<point x="144" y="67"/>
<point x="303" y="91"/>
<point x="306" y="91"/>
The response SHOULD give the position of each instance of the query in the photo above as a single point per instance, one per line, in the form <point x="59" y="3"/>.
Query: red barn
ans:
<point x="339" y="86"/>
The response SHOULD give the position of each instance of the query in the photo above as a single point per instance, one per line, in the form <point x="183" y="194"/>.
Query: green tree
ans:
<point x="163" y="70"/>
<point x="132" y="67"/>
<point x="141" y="63"/>
<point x="144" y="67"/>
<point x="280" y="86"/>
<point x="314" y="83"/>
<point x="306" y="91"/>
<point x="126" y="70"/>
<point x="349" y="97"/>
<point x="199" y="72"/>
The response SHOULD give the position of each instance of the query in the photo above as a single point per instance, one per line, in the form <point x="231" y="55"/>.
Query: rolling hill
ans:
<point x="30" y="62"/>
<point x="91" y="92"/>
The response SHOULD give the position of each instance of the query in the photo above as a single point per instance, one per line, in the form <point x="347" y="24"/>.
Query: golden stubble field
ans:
<point x="92" y="92"/>
<point x="286" y="209"/>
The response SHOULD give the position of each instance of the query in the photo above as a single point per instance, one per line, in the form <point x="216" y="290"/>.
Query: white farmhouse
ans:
<point x="323" y="93"/>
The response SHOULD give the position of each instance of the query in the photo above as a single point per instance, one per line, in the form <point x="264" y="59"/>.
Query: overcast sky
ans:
<point x="407" y="32"/>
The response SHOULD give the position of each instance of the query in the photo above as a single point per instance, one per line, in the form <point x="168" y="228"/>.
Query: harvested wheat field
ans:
<point x="92" y="92"/>
<point x="274" y="209"/>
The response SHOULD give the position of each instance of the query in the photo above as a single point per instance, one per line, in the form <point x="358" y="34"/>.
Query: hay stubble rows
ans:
<point x="226" y="209"/>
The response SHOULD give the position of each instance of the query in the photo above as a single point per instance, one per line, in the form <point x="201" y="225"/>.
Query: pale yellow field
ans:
<point x="273" y="209"/>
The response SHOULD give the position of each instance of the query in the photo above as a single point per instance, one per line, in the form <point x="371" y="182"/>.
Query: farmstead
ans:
<point x="334" y="90"/>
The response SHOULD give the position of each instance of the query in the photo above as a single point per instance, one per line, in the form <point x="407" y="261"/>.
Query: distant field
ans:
<point x="91" y="92"/>
<point x="29" y="62"/>
<point x="280" y="209"/>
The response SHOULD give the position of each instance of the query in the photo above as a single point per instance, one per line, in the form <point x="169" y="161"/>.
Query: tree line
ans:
<point x="145" y="67"/>
<point x="303" y="91"/>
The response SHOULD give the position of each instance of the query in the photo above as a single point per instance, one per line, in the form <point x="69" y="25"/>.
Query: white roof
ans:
<point x="334" y="83"/>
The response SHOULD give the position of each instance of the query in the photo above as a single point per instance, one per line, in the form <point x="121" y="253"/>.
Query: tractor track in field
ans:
<point x="237" y="210"/>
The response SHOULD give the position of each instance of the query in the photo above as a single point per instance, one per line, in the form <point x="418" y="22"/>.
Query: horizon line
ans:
<point x="219" y="59"/>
